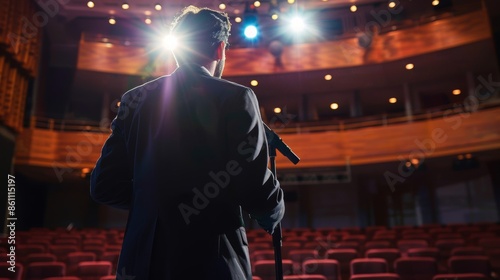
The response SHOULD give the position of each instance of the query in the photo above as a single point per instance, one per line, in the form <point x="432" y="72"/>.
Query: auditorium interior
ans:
<point x="393" y="108"/>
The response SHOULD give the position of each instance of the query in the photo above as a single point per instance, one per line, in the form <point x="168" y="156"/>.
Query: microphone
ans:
<point x="274" y="140"/>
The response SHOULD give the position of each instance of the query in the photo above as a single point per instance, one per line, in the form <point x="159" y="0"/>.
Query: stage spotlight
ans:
<point x="251" y="31"/>
<point x="169" y="42"/>
<point x="297" y="24"/>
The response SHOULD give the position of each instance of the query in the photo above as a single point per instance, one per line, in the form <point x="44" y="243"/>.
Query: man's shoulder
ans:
<point x="230" y="87"/>
<point x="143" y="89"/>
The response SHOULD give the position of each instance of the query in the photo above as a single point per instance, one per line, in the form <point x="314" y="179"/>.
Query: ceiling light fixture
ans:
<point x="158" y="7"/>
<point x="353" y="8"/>
<point x="112" y="20"/>
<point x="409" y="66"/>
<point x="90" y="4"/>
<point x="125" y="6"/>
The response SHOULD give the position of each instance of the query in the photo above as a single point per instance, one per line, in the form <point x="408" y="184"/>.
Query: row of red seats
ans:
<point x="407" y="268"/>
<point x="89" y="270"/>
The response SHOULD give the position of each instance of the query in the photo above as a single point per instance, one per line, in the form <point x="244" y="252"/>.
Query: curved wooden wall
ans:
<point x="434" y="36"/>
<point x="66" y="152"/>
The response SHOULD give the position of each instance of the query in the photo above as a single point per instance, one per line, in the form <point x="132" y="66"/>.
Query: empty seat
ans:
<point x="287" y="247"/>
<point x="377" y="244"/>
<point x="64" y="278"/>
<point x="468" y="251"/>
<point x="111" y="257"/>
<point x="304" y="277"/>
<point x="470" y="264"/>
<point x="390" y="255"/>
<point x="328" y="268"/>
<point x="93" y="270"/>
<point x="299" y="256"/>
<point x="376" y="276"/>
<point x="446" y="245"/>
<point x="39" y="257"/>
<point x="74" y="258"/>
<point x="424" y="252"/>
<point x="62" y="251"/>
<point x="261" y="255"/>
<point x="368" y="266"/>
<point x="41" y="270"/>
<point x="404" y="245"/>
<point x="5" y="273"/>
<point x="113" y="277"/>
<point x="266" y="269"/>
<point x="344" y="257"/>
<point x="416" y="268"/>
<point x="460" y="276"/>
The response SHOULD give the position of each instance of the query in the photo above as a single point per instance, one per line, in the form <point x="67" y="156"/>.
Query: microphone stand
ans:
<point x="275" y="143"/>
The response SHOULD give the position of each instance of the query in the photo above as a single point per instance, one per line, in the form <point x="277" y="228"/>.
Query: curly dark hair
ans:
<point x="199" y="31"/>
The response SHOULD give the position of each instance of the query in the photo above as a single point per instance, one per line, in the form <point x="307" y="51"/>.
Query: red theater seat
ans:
<point x="368" y="266"/>
<point x="390" y="255"/>
<point x="39" y="257"/>
<point x="376" y="276"/>
<point x="460" y="276"/>
<point x="344" y="257"/>
<point x="328" y="268"/>
<point x="304" y="277"/>
<point x="266" y="269"/>
<point x="470" y="264"/>
<point x="299" y="256"/>
<point x="5" y="273"/>
<point x="75" y="258"/>
<point x="416" y="268"/>
<point x="41" y="270"/>
<point x="93" y="270"/>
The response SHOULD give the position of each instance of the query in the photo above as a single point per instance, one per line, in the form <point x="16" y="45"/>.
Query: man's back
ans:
<point x="187" y="150"/>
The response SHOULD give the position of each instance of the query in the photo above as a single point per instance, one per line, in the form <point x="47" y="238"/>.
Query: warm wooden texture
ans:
<point x="464" y="133"/>
<point x="434" y="36"/>
<point x="19" y="51"/>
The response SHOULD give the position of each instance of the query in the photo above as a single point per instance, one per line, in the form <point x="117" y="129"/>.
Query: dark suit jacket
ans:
<point x="187" y="152"/>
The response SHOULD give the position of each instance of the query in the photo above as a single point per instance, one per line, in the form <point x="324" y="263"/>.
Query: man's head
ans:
<point x="200" y="32"/>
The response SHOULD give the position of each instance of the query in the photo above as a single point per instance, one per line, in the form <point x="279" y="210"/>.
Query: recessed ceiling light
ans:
<point x="254" y="83"/>
<point x="148" y="21"/>
<point x="256" y="3"/>
<point x="392" y="4"/>
<point x="109" y="45"/>
<point x="275" y="16"/>
<point x="409" y="66"/>
<point x="158" y="7"/>
<point x="222" y="6"/>
<point x="291" y="1"/>
<point x="90" y="4"/>
<point x="435" y="3"/>
<point x="237" y="19"/>
<point x="334" y="106"/>
<point x="393" y="100"/>
<point x="125" y="6"/>
<point x="353" y="8"/>
<point x="456" y="92"/>
<point x="328" y="77"/>
<point x="148" y="13"/>
<point x="277" y="110"/>
<point x="112" y="21"/>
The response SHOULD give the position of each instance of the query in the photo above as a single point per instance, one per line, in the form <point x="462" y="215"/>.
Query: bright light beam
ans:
<point x="251" y="32"/>
<point x="169" y="42"/>
<point x="297" y="24"/>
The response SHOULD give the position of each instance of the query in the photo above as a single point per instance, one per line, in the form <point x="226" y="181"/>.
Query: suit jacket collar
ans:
<point x="194" y="69"/>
